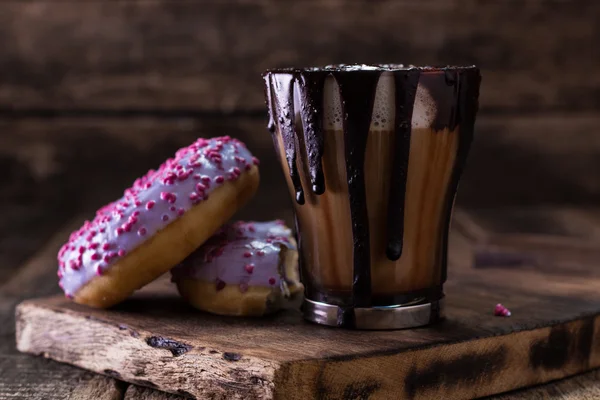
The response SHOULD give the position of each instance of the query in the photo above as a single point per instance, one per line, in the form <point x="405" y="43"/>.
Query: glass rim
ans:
<point x="378" y="68"/>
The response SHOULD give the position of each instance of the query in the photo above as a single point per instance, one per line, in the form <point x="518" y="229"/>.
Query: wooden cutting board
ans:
<point x="156" y="340"/>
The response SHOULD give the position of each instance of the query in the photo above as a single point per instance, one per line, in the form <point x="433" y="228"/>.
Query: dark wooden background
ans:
<point x="94" y="93"/>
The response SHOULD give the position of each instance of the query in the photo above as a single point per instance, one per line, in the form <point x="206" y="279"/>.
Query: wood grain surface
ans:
<point x="152" y="337"/>
<point x="182" y="56"/>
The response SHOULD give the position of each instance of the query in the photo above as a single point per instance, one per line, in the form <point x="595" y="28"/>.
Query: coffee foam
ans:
<point x="383" y="104"/>
<point x="424" y="110"/>
<point x="332" y="105"/>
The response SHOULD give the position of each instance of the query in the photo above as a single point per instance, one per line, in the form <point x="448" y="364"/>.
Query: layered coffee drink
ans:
<point x="373" y="156"/>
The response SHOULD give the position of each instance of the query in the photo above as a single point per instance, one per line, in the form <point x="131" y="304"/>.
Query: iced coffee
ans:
<point x="372" y="156"/>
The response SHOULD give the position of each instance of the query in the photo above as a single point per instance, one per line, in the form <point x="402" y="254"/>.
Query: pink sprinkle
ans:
<point x="272" y="281"/>
<point x="81" y="249"/>
<point x="200" y="187"/>
<point x="205" y="179"/>
<point x="137" y="204"/>
<point x="243" y="287"/>
<point x="193" y="197"/>
<point x="219" y="179"/>
<point x="249" y="268"/>
<point x="95" y="257"/>
<point x="102" y="230"/>
<point x="173" y="208"/>
<point x="248" y="167"/>
<point x="150" y="204"/>
<point x="260" y="253"/>
<point x="127" y="227"/>
<point x="165" y="217"/>
<point x="107" y="258"/>
<point x="135" y="213"/>
<point x="99" y="270"/>
<point x="106" y="246"/>
<point x="120" y="231"/>
<point x="197" y="177"/>
<point x="501" y="311"/>
<point x="141" y="231"/>
<point x="236" y="171"/>
<point x="255" y="161"/>
<point x="164" y="195"/>
<point x="94" y="246"/>
<point x="122" y="253"/>
<point x="180" y="212"/>
<point x="247" y="254"/>
<point x="220" y="285"/>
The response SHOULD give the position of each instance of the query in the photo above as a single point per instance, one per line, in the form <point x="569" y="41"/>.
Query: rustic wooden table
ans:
<point x="95" y="93"/>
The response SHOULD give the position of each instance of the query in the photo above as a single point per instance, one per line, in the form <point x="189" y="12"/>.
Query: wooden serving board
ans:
<point x="154" y="339"/>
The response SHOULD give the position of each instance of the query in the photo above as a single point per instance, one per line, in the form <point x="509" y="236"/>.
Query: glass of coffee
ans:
<point x="372" y="156"/>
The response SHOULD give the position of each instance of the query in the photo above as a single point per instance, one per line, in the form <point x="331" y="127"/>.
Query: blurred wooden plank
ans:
<point x="182" y="55"/>
<point x="25" y="378"/>
<point x="533" y="161"/>
<point x="582" y="387"/>
<point x="552" y="240"/>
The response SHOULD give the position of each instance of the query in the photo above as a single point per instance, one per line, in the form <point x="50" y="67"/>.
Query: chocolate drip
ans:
<point x="452" y="78"/>
<point x="284" y="98"/>
<point x="357" y="91"/>
<point x="311" y="111"/>
<point x="467" y="95"/>
<point x="269" y="101"/>
<point x="406" y="89"/>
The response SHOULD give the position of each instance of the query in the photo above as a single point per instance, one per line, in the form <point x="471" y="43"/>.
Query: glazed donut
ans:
<point x="159" y="221"/>
<point x="246" y="269"/>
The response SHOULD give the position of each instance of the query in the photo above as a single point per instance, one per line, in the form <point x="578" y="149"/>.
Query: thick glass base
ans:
<point x="374" y="318"/>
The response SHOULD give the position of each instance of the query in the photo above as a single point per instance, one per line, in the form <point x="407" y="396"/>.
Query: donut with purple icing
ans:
<point x="159" y="221"/>
<point x="245" y="269"/>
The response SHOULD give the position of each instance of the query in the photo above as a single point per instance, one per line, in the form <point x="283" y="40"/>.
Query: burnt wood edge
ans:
<point x="483" y="366"/>
<point x="252" y="376"/>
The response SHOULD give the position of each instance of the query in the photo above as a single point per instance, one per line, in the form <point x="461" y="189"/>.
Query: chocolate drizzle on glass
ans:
<point x="466" y="84"/>
<point x="269" y="100"/>
<point x="283" y="86"/>
<point x="311" y="113"/>
<point x="406" y="89"/>
<point x="455" y="91"/>
<point x="357" y="91"/>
